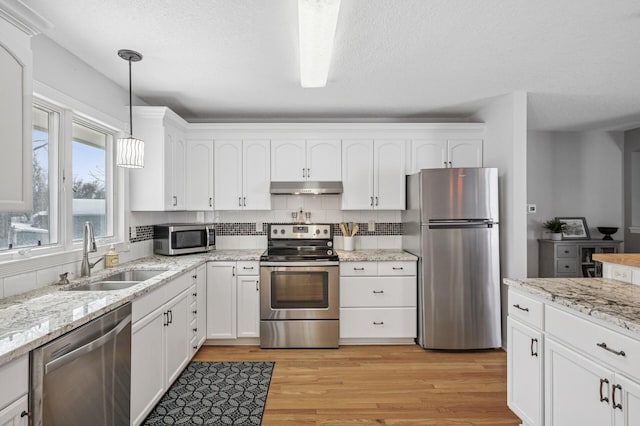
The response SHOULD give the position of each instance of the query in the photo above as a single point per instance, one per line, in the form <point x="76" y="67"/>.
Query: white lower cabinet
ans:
<point x="524" y="372"/>
<point x="589" y="373"/>
<point x="160" y="341"/>
<point x="15" y="414"/>
<point x="14" y="385"/>
<point x="378" y="302"/>
<point x="198" y="309"/>
<point x="233" y="300"/>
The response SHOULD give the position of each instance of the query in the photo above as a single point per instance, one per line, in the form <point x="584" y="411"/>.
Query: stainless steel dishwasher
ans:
<point x="84" y="377"/>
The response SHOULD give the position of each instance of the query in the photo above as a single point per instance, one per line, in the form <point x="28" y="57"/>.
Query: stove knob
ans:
<point x="282" y="231"/>
<point x="275" y="231"/>
<point x="317" y="231"/>
<point x="329" y="243"/>
<point x="329" y="252"/>
<point x="326" y="231"/>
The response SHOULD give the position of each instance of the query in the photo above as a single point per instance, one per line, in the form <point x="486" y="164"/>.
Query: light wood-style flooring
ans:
<point x="388" y="385"/>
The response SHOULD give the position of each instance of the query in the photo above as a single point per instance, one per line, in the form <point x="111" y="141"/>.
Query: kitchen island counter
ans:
<point x="610" y="301"/>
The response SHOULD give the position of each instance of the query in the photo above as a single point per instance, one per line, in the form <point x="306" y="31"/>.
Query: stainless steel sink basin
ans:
<point x="118" y="281"/>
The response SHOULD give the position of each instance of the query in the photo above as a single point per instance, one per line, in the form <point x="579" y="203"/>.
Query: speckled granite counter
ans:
<point x="627" y="259"/>
<point x="612" y="301"/>
<point x="374" y="255"/>
<point x="32" y="319"/>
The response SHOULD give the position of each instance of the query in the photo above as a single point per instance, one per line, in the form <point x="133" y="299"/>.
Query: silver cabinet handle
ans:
<point x="233" y="271"/>
<point x="532" y="342"/>
<point x="170" y="316"/>
<point x="371" y="201"/>
<point x="195" y="312"/>
<point x="239" y="201"/>
<point x="445" y="164"/>
<point x="249" y="268"/>
<point x="397" y="269"/>
<point x="604" y="346"/>
<point x="378" y="292"/>
<point x="613" y="397"/>
<point x="175" y="200"/>
<point x="308" y="173"/>
<point x="257" y="285"/>
<point x="604" y="398"/>
<point x="358" y="269"/>
<point x="244" y="201"/>
<point x="166" y="319"/>
<point x="378" y="323"/>
<point x="517" y="306"/>
<point x="89" y="347"/>
<point x="303" y="175"/>
<point x="210" y="201"/>
<point x="449" y="163"/>
<point x="376" y="200"/>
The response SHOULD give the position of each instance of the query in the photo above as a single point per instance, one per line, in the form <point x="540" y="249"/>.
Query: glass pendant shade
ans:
<point x="130" y="153"/>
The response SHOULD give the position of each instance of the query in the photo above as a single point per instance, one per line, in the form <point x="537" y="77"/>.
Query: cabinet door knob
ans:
<point x="25" y="413"/>
<point x="194" y="312"/>
<point x="613" y="397"/>
<point x="210" y="201"/>
<point x="371" y="201"/>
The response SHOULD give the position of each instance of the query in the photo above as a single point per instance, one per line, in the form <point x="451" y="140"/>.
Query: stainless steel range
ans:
<point x="299" y="292"/>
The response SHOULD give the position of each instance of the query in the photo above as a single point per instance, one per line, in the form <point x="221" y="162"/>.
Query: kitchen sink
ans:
<point x="118" y="281"/>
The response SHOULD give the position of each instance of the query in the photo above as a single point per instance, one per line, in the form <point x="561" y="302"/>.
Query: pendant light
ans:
<point x="130" y="151"/>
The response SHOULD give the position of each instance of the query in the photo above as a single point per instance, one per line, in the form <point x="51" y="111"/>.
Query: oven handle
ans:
<point x="327" y="263"/>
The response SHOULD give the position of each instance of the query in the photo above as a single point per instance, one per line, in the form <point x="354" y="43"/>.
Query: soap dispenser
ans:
<point x="111" y="258"/>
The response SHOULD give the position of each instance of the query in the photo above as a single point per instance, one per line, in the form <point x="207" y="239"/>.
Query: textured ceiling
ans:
<point x="222" y="60"/>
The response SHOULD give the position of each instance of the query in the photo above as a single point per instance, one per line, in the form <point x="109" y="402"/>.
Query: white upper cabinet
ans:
<point x="373" y="174"/>
<point x="199" y="175"/>
<point x="242" y="174"/>
<point x="161" y="184"/>
<point x="443" y="153"/>
<point x="16" y="29"/>
<point x="298" y="159"/>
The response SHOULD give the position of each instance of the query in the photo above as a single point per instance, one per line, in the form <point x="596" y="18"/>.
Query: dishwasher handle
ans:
<point x="76" y="353"/>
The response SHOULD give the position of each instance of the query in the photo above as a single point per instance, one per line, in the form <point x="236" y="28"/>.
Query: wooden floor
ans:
<point x="388" y="385"/>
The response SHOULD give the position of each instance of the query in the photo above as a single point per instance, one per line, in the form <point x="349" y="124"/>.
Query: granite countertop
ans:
<point x="627" y="259"/>
<point x="32" y="319"/>
<point x="374" y="255"/>
<point x="611" y="301"/>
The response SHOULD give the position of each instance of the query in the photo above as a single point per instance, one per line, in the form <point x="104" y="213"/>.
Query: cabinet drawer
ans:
<point x="378" y="292"/>
<point x="566" y="251"/>
<point x="525" y="309"/>
<point x="148" y="303"/>
<point x="599" y="342"/>
<point x="397" y="268"/>
<point x="354" y="269"/>
<point x="248" y="268"/>
<point x="620" y="273"/>
<point x="179" y="284"/>
<point x="378" y="323"/>
<point x="14" y="377"/>
<point x="566" y="266"/>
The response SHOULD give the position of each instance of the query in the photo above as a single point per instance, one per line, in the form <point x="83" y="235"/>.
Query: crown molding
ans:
<point x="23" y="17"/>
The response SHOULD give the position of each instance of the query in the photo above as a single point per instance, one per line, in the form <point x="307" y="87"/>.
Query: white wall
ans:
<point x="505" y="147"/>
<point x="574" y="174"/>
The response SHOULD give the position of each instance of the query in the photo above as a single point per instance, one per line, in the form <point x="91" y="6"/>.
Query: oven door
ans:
<point x="299" y="290"/>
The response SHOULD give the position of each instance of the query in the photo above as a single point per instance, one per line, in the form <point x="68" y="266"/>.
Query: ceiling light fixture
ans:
<point x="130" y="151"/>
<point x="317" y="21"/>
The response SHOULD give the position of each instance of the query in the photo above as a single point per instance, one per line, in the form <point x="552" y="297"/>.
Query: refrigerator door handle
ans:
<point x="465" y="223"/>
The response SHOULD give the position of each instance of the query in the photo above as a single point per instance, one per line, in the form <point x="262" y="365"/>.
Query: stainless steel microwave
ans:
<point x="171" y="239"/>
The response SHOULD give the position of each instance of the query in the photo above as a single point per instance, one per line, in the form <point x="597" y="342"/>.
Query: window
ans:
<point x="91" y="192"/>
<point x="73" y="182"/>
<point x="37" y="227"/>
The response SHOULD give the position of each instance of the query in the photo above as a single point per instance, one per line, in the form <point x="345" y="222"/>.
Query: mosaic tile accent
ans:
<point x="237" y="229"/>
<point x="143" y="233"/>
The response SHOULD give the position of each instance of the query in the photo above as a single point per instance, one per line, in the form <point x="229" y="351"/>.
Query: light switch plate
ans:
<point x="259" y="227"/>
<point x="133" y="233"/>
<point x="371" y="227"/>
<point x="531" y="208"/>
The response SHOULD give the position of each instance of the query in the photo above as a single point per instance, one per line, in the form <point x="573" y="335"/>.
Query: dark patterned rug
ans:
<point x="215" y="393"/>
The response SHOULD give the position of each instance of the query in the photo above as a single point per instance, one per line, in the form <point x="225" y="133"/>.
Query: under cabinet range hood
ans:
<point x="306" y="187"/>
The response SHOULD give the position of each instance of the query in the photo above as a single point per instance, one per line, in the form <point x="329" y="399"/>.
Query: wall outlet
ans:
<point x="259" y="227"/>
<point x="531" y="208"/>
<point x="133" y="233"/>
<point x="371" y="227"/>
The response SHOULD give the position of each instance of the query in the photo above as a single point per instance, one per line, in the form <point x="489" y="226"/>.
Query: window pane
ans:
<point x="89" y="157"/>
<point x="32" y="229"/>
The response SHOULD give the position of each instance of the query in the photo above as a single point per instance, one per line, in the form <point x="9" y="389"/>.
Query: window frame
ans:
<point x="65" y="250"/>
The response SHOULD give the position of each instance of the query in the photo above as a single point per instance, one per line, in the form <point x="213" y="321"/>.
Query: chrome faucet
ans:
<point x="88" y="246"/>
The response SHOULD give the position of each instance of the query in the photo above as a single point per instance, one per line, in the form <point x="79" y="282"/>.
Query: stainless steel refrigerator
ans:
<point x="451" y="224"/>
